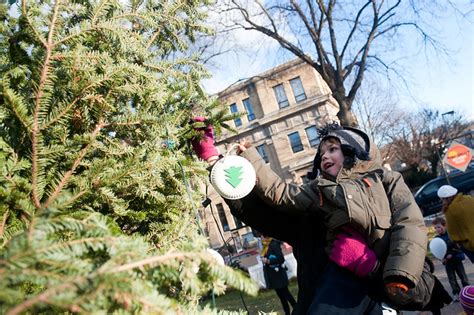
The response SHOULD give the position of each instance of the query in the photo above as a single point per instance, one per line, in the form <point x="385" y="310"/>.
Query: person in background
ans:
<point x="274" y="271"/>
<point x="459" y="212"/>
<point x="453" y="260"/>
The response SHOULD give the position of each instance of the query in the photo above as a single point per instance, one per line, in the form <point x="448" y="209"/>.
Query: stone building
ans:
<point x="282" y="108"/>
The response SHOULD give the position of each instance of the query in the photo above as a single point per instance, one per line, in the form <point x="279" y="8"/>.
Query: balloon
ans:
<point x="216" y="256"/>
<point x="438" y="247"/>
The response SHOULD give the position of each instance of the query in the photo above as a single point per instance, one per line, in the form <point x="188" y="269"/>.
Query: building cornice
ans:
<point x="259" y="77"/>
<point x="273" y="117"/>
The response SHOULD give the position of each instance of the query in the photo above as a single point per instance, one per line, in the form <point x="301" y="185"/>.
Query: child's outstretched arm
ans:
<point x="269" y="186"/>
<point x="275" y="191"/>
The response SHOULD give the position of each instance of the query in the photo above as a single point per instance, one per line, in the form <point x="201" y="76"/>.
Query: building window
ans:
<point x="249" y="109"/>
<point x="281" y="96"/>
<point x="222" y="217"/>
<point x="313" y="137"/>
<point x="238" y="223"/>
<point x="295" y="142"/>
<point x="263" y="152"/>
<point x="233" y="110"/>
<point x="298" y="90"/>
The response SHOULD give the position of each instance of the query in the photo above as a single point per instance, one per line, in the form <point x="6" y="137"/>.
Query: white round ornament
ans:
<point x="438" y="247"/>
<point x="233" y="177"/>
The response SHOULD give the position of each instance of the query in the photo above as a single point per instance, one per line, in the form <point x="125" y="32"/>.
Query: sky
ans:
<point x="442" y="82"/>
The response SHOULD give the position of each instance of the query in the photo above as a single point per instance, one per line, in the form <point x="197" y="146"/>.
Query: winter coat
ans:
<point x="304" y="232"/>
<point x="357" y="197"/>
<point x="274" y="271"/>
<point x="460" y="221"/>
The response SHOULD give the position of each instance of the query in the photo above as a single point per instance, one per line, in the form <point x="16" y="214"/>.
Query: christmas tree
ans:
<point x="96" y="210"/>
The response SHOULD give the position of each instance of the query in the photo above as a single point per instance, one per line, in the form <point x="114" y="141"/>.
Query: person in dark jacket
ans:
<point x="357" y="286"/>
<point x="453" y="260"/>
<point x="307" y="236"/>
<point x="274" y="270"/>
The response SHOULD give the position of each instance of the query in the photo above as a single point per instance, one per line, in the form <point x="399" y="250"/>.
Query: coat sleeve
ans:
<point x="276" y="192"/>
<point x="408" y="232"/>
<point x="260" y="216"/>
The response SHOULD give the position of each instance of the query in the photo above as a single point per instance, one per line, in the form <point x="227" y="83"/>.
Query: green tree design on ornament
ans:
<point x="233" y="174"/>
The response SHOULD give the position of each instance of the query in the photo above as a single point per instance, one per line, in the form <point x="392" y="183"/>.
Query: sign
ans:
<point x="458" y="156"/>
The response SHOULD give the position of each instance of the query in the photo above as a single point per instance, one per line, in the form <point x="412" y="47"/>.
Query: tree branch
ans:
<point x="76" y="163"/>
<point x="363" y="60"/>
<point x="354" y="28"/>
<point x="38" y="95"/>
<point x="43" y="297"/>
<point x="4" y="222"/>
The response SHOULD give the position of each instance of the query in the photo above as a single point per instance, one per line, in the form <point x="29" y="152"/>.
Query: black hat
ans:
<point x="355" y="144"/>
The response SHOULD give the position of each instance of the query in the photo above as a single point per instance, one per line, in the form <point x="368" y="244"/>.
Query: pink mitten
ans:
<point x="350" y="251"/>
<point x="204" y="147"/>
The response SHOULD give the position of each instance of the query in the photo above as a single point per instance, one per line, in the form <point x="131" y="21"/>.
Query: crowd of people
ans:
<point x="354" y="227"/>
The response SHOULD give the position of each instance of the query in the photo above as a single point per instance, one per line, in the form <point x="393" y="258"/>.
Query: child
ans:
<point x="355" y="195"/>
<point x="360" y="203"/>
<point x="453" y="258"/>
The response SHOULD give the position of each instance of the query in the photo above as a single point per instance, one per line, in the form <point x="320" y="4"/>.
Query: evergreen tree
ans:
<point x="96" y="214"/>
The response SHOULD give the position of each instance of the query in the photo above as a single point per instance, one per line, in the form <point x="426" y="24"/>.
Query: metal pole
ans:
<point x="447" y="136"/>
<point x="443" y="168"/>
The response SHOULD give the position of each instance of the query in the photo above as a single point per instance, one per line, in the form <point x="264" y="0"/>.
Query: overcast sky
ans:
<point x="443" y="83"/>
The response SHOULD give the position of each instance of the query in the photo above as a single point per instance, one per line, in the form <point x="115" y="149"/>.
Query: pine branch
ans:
<point x="40" y="298"/>
<point x="37" y="98"/>
<point x="4" y="222"/>
<point x="76" y="163"/>
<point x="149" y="261"/>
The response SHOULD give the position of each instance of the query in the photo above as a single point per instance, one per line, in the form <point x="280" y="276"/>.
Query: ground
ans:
<point x="267" y="301"/>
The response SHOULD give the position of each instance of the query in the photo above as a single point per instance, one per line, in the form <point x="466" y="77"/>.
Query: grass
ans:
<point x="266" y="301"/>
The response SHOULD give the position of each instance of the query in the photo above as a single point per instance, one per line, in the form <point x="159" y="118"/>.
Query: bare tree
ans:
<point x="378" y="113"/>
<point x="341" y="40"/>
<point x="422" y="139"/>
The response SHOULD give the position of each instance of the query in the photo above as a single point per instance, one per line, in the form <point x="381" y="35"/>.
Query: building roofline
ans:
<point x="237" y="85"/>
<point x="271" y="118"/>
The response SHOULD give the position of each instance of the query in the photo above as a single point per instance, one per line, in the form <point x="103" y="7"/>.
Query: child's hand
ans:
<point x="397" y="293"/>
<point x="204" y="148"/>
<point x="243" y="146"/>
<point x="350" y="251"/>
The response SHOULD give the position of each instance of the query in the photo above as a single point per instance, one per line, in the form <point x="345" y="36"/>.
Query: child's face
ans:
<point x="440" y="229"/>
<point x="332" y="158"/>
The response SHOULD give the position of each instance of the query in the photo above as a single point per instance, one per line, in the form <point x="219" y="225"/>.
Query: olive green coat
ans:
<point x="394" y="226"/>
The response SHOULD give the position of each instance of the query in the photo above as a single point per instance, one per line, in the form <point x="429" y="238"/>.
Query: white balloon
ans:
<point x="216" y="256"/>
<point x="438" y="247"/>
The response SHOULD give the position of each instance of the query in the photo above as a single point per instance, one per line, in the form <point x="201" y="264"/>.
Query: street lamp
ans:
<point x="443" y="115"/>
